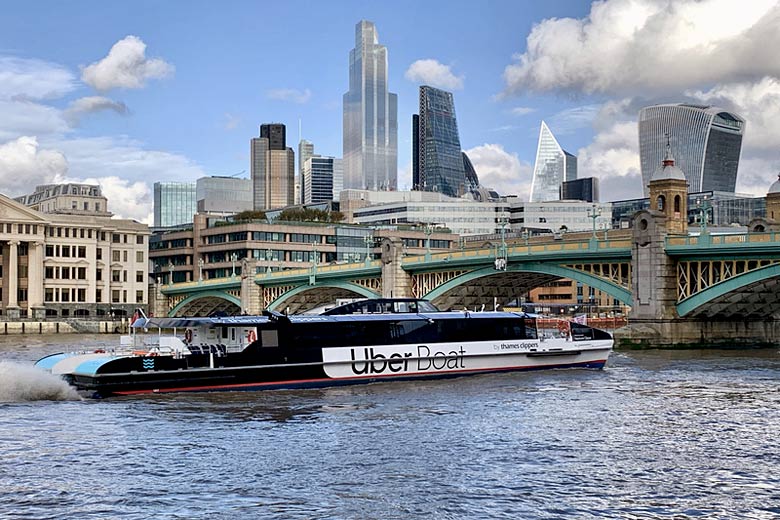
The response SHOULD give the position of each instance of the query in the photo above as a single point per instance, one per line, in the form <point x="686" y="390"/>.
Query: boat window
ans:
<point x="270" y="337"/>
<point x="530" y="328"/>
<point x="224" y="333"/>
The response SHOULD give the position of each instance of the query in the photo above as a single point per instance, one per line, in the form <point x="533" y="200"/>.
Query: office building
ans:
<point x="174" y="203"/>
<point x="707" y="143"/>
<point x="553" y="166"/>
<point x="370" y="116"/>
<point x="64" y="264"/>
<point x="586" y="189"/>
<point x="439" y="165"/>
<point x="305" y="150"/>
<point x="318" y="178"/>
<point x="472" y="180"/>
<point x="223" y="194"/>
<point x="67" y="199"/>
<point x="272" y="169"/>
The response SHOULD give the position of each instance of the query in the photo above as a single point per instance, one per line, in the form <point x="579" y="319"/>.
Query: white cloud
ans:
<point x="521" y="111"/>
<point x="433" y="73"/>
<point x="126" y="199"/>
<point x="572" y="119"/>
<point x="91" y="104"/>
<point x="23" y="165"/>
<point x="758" y="103"/>
<point x="647" y="46"/>
<point x="33" y="79"/>
<point x="19" y="118"/>
<point x="613" y="158"/>
<point x="501" y="170"/>
<point x="289" y="94"/>
<point x="126" y="66"/>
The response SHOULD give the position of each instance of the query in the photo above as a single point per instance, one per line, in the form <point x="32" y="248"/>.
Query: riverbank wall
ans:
<point x="65" y="327"/>
<point x="690" y="334"/>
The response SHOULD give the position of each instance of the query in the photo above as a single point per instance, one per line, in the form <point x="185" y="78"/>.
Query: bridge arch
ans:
<point x="467" y="286"/>
<point x="748" y="295"/>
<point x="306" y="297"/>
<point x="204" y="303"/>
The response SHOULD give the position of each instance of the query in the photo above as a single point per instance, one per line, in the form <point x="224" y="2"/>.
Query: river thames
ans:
<point x="657" y="434"/>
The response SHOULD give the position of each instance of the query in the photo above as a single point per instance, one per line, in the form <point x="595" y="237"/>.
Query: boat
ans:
<point x="374" y="340"/>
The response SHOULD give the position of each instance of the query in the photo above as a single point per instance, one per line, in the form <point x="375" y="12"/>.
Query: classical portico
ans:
<point x="22" y="235"/>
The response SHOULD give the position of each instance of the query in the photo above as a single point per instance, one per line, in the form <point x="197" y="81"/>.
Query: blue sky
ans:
<point x="204" y="75"/>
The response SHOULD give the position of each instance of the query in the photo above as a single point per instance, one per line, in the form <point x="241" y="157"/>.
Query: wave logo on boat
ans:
<point x="148" y="363"/>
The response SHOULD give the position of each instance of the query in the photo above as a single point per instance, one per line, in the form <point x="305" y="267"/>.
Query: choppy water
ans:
<point x="655" y="435"/>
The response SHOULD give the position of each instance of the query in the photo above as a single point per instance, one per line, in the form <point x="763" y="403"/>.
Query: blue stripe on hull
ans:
<point x="327" y="382"/>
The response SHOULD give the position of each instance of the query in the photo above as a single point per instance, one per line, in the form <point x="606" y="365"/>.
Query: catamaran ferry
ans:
<point x="368" y="341"/>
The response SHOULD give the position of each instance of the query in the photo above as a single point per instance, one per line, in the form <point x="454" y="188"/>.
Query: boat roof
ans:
<point x="248" y="321"/>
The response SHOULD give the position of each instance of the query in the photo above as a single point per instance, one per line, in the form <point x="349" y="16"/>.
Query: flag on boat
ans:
<point x="135" y="317"/>
<point x="582" y="319"/>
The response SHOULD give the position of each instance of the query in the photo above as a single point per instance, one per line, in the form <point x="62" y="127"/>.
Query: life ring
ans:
<point x="140" y="353"/>
<point x="100" y="351"/>
<point x="563" y="327"/>
<point x="188" y="336"/>
<point x="251" y="336"/>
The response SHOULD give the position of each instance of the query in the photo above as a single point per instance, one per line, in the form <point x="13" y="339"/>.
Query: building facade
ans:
<point x="586" y="189"/>
<point x="370" y="133"/>
<point x="439" y="165"/>
<point x="707" y="144"/>
<point x="71" y="199"/>
<point x="174" y="203"/>
<point x="223" y="194"/>
<point x="217" y="248"/>
<point x="305" y="150"/>
<point x="65" y="265"/>
<point x="553" y="166"/>
<point x="272" y="166"/>
<point x="318" y="178"/>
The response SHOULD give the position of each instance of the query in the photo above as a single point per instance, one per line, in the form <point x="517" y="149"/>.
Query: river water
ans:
<point x="658" y="434"/>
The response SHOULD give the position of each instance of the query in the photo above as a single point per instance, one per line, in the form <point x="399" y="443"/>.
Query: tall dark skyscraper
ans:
<point x="273" y="168"/>
<point x="437" y="164"/>
<point x="370" y="116"/>
<point x="707" y="143"/>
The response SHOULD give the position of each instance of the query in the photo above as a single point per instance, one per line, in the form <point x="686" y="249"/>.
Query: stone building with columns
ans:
<point x="65" y="265"/>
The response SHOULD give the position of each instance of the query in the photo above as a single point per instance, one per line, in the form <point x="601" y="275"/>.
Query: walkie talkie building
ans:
<point x="707" y="142"/>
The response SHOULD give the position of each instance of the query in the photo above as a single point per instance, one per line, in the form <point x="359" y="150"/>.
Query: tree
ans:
<point x="310" y="215"/>
<point x="249" y="215"/>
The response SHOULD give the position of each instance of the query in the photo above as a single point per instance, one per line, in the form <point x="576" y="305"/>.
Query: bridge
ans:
<point x="690" y="289"/>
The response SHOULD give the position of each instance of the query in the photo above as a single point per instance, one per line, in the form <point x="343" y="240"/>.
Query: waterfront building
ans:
<point x="586" y="189"/>
<point x="272" y="168"/>
<point x="553" y="166"/>
<point x="68" y="199"/>
<point x="439" y="165"/>
<point x="707" y="143"/>
<point x="64" y="264"/>
<point x="370" y="133"/>
<point x="318" y="178"/>
<point x="226" y="246"/>
<point x="174" y="203"/>
<point x="223" y="194"/>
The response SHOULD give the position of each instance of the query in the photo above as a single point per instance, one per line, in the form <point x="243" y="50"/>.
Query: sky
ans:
<point x="129" y="93"/>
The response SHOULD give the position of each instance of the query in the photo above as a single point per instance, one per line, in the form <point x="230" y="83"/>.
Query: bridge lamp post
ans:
<point x="233" y="259"/>
<point x="428" y="232"/>
<point x="368" y="239"/>
<point x="526" y="235"/>
<point x="200" y="270"/>
<point x="170" y="273"/>
<point x="594" y="213"/>
<point x="704" y="206"/>
<point x="268" y="256"/>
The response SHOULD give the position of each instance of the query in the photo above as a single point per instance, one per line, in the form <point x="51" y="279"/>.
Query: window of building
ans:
<point x="139" y="256"/>
<point x="139" y="276"/>
<point x="48" y="294"/>
<point x="81" y="231"/>
<point x="66" y="251"/>
<point x="67" y="232"/>
<point x="65" y="273"/>
<point x="116" y="275"/>
<point x="23" y="271"/>
<point x="74" y="205"/>
<point x="23" y="249"/>
<point x="124" y="276"/>
<point x="103" y="236"/>
<point x="48" y="272"/>
<point x="115" y="238"/>
<point x="82" y="251"/>
<point x="99" y="253"/>
<point x="65" y="295"/>
<point x="124" y="296"/>
<point x="98" y="295"/>
<point x="139" y="296"/>
<point x="99" y="275"/>
<point x="82" y="273"/>
<point x="116" y="255"/>
<point x="124" y="256"/>
<point x="22" y="295"/>
<point x="81" y="295"/>
<point x="115" y="296"/>
<point x="49" y="250"/>
<point x="124" y="237"/>
<point x="97" y="206"/>
<point x="139" y="239"/>
<point x="86" y="206"/>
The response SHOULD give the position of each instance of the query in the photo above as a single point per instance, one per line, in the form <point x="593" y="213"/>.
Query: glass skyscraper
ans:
<point x="370" y="116"/>
<point x="272" y="165"/>
<point x="174" y="203"/>
<point x="553" y="166"/>
<point x="319" y="178"/>
<point x="707" y="143"/>
<point x="439" y="163"/>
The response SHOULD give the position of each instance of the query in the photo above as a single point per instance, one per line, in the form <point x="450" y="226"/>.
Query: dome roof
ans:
<point x="668" y="170"/>
<point x="775" y="187"/>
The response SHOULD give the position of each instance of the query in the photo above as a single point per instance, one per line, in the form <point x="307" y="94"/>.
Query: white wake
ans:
<point x="19" y="382"/>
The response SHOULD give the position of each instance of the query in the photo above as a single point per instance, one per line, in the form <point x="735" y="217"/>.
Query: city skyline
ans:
<point x="138" y="97"/>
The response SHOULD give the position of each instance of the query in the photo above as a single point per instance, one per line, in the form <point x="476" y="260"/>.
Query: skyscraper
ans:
<point x="305" y="150"/>
<point x="319" y="178"/>
<point x="174" y="203"/>
<point x="273" y="169"/>
<point x="439" y="164"/>
<point x="472" y="181"/>
<point x="553" y="166"/>
<point x="586" y="189"/>
<point x="370" y="116"/>
<point x="707" y="142"/>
